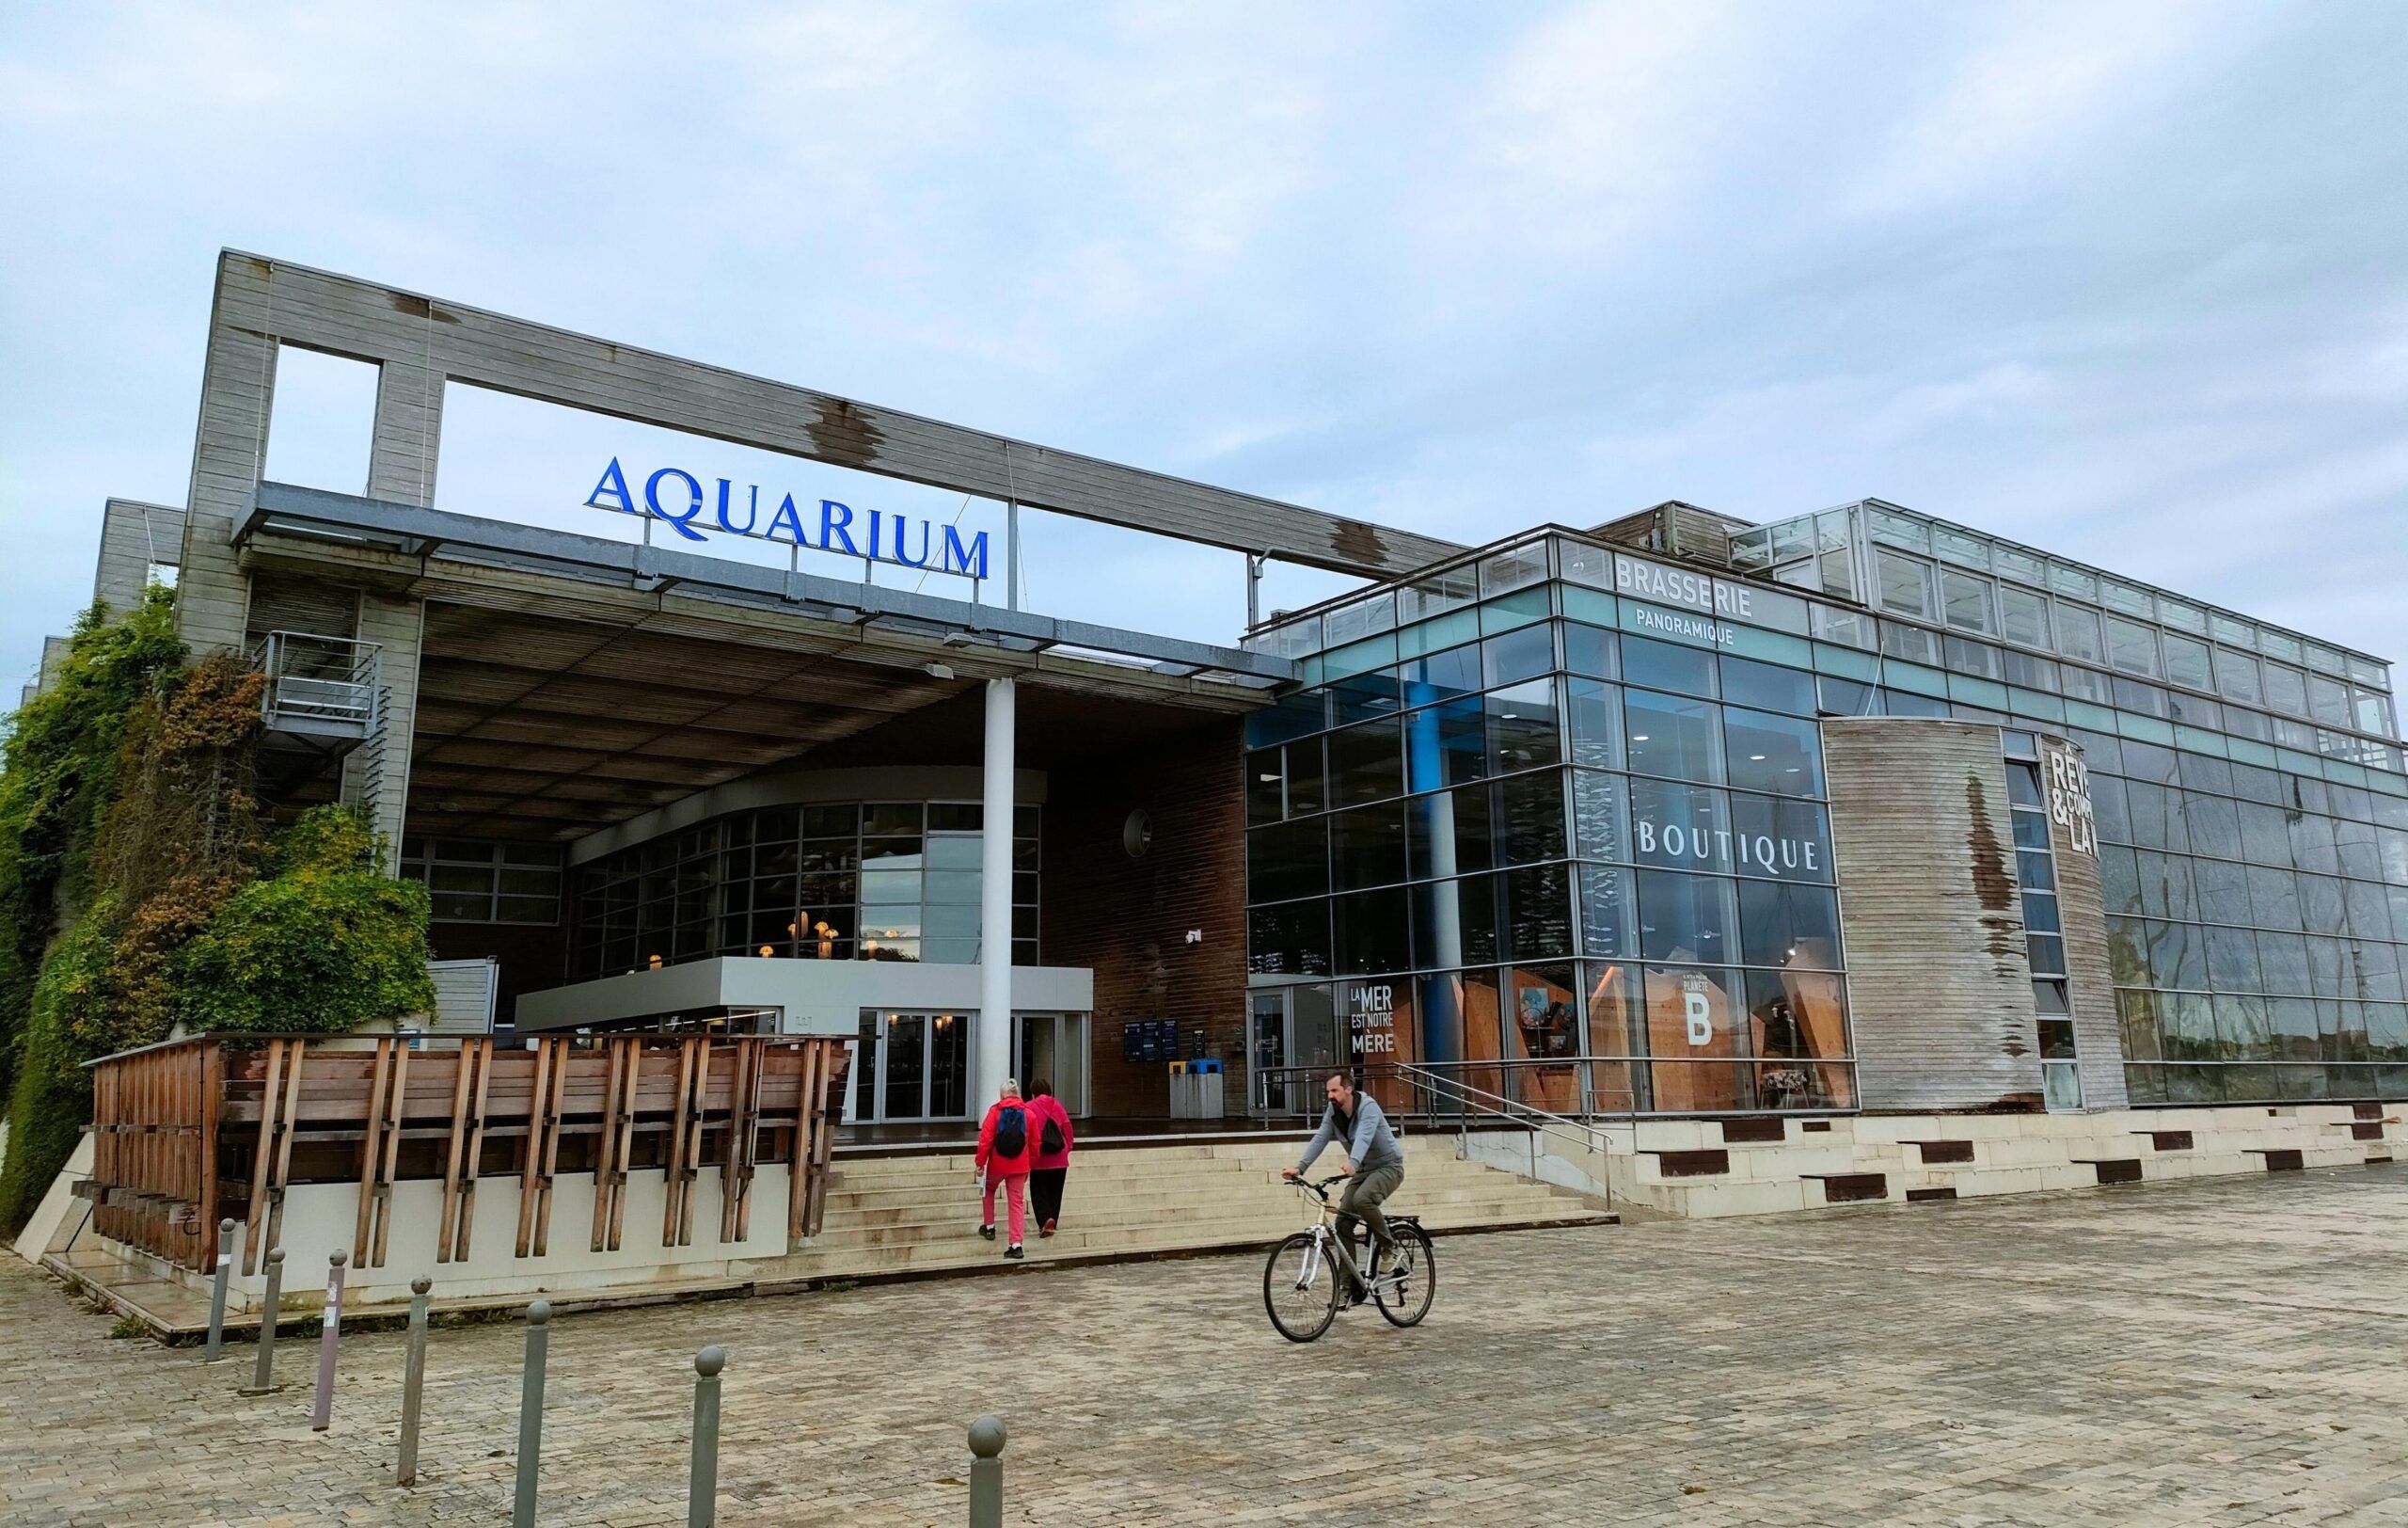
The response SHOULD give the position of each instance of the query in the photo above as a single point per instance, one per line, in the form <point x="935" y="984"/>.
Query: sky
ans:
<point x="2127" y="282"/>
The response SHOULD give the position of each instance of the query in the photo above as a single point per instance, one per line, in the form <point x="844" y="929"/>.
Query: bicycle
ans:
<point x="1302" y="1289"/>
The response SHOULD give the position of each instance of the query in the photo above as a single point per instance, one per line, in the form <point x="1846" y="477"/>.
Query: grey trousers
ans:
<point x="1361" y="1200"/>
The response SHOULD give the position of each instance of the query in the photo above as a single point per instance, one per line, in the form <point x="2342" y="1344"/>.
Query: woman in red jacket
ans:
<point x="1006" y="1137"/>
<point x="1049" y="1125"/>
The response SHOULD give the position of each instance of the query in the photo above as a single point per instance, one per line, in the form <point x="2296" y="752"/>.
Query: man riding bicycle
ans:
<point x="1374" y="1166"/>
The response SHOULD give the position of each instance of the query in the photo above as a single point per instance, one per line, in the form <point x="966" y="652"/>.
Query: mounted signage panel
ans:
<point x="1680" y="588"/>
<point x="678" y="498"/>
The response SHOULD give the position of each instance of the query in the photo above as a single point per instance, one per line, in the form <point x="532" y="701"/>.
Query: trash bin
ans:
<point x="1195" y="1090"/>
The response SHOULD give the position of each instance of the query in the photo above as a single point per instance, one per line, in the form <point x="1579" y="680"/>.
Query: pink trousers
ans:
<point x="1014" y="1188"/>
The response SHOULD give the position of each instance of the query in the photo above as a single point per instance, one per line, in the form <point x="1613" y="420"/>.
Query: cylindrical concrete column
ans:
<point x="992" y="1057"/>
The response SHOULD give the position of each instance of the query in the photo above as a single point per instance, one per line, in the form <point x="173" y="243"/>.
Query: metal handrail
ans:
<point x="1443" y="1085"/>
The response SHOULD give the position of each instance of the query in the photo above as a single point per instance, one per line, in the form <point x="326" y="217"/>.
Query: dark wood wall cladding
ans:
<point x="2098" y="1035"/>
<point x="1940" y="990"/>
<point x="1127" y="918"/>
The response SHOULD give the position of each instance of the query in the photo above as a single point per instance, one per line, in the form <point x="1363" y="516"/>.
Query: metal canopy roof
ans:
<point x="566" y="683"/>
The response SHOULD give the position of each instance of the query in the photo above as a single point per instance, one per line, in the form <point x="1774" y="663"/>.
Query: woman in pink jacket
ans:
<point x="1048" y="1125"/>
<point x="1006" y="1139"/>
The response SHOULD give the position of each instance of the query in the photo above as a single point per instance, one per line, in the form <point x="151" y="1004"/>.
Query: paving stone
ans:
<point x="2210" y="1351"/>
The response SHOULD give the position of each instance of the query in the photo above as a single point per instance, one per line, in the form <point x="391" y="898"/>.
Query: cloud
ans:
<point x="2117" y="281"/>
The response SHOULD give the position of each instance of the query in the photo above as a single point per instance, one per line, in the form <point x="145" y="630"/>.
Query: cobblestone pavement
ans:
<point x="2214" y="1352"/>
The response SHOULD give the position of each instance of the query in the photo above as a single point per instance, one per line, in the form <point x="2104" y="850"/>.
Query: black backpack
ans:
<point x="1049" y="1140"/>
<point x="1011" y="1131"/>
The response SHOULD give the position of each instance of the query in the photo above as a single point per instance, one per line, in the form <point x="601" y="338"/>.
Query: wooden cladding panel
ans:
<point x="179" y="1129"/>
<point x="1939" y="989"/>
<point x="436" y="341"/>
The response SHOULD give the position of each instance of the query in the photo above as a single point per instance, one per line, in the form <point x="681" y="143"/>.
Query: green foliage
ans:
<point x="59" y="775"/>
<point x="326" y="945"/>
<point x="51" y="1101"/>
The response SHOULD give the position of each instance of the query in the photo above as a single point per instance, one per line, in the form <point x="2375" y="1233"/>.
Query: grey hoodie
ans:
<point x="1373" y="1144"/>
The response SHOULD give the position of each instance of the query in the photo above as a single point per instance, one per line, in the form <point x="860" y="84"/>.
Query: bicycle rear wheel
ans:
<point x="1300" y="1288"/>
<point x="1408" y="1286"/>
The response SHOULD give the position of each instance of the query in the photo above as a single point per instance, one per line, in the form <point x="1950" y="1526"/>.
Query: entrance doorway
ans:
<point x="911" y="1066"/>
<point x="1290" y="1026"/>
<point x="1053" y="1048"/>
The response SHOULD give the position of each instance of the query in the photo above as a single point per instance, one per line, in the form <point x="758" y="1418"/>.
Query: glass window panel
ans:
<point x="1845" y="697"/>
<point x="1356" y="698"/>
<point x="2041" y="914"/>
<point x="2237" y="677"/>
<point x="1978" y="659"/>
<point x="2321" y="906"/>
<point x="2165" y="885"/>
<point x="2078" y="633"/>
<point x="1663" y="665"/>
<point x="1694" y="1021"/>
<point x="1366" y="763"/>
<point x="2119" y="881"/>
<point x="1446" y="745"/>
<point x="1439" y="675"/>
<point x="1767" y="687"/>
<point x="1368" y="931"/>
<point x="2156" y="815"/>
<point x="1365" y="847"/>
<point x="1517" y="655"/>
<point x="2223" y="891"/>
<point x="1669" y="735"/>
<point x="2328" y="701"/>
<point x="2232" y="960"/>
<point x="1596" y="725"/>
<point x="2186" y="1022"/>
<point x="1608" y="913"/>
<point x="2187" y="662"/>
<point x="1964" y="602"/>
<point x="2286" y="688"/>
<point x="2273" y="897"/>
<point x="1684" y="826"/>
<point x="1601" y="813"/>
<point x="1787" y="840"/>
<point x="1523" y="731"/>
<point x="1787" y="925"/>
<point x="2111" y="808"/>
<point x="1529" y="817"/>
<point x="2177" y="957"/>
<point x="1289" y="859"/>
<point x="1905" y="584"/>
<point x="2243" y="1032"/>
<point x="2131" y="647"/>
<point x="1689" y="918"/>
<point x="2024" y="616"/>
<point x="1778" y="754"/>
<point x="2312" y="846"/>
<point x="1590" y="650"/>
<point x="1266" y="785"/>
<point x="1538" y="912"/>
<point x="1447" y="833"/>
<point x="2215" y="825"/>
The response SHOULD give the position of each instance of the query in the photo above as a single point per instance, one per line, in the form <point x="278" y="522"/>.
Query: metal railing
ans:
<point x="1443" y="1095"/>
<point x="317" y="683"/>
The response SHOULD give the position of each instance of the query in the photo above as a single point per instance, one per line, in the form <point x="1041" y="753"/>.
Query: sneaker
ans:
<point x="1045" y="1230"/>
<point x="1013" y="1250"/>
<point x="987" y="1231"/>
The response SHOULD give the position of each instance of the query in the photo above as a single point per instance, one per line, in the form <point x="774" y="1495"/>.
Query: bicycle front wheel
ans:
<point x="1300" y="1288"/>
<point x="1411" y="1281"/>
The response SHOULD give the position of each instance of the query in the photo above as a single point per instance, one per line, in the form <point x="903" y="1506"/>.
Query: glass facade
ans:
<point x="1559" y="807"/>
<point x="1572" y="843"/>
<point x="872" y="880"/>
<point x="479" y="881"/>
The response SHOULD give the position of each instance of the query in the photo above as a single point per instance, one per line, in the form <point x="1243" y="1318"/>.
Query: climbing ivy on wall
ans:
<point x="140" y="891"/>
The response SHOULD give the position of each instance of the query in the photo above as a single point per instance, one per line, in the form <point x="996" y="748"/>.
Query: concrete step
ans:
<point x="1139" y="1210"/>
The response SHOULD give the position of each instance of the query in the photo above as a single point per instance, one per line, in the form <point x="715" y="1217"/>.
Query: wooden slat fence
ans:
<point x="183" y="1129"/>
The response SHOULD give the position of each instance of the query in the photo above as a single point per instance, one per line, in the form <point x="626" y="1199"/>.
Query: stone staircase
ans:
<point x="911" y="1214"/>
<point x="1708" y="1168"/>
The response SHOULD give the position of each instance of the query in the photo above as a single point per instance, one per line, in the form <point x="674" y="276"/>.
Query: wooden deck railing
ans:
<point x="189" y="1131"/>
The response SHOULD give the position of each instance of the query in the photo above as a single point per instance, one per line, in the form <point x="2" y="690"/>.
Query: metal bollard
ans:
<point x="702" y="1489"/>
<point x="530" y="1414"/>
<point x="413" y="1381"/>
<point x="264" y="1370"/>
<point x="217" y="1291"/>
<point x="985" y="1473"/>
<point x="322" y="1409"/>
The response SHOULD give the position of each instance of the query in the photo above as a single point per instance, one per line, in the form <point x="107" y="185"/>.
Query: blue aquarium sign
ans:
<point x="677" y="497"/>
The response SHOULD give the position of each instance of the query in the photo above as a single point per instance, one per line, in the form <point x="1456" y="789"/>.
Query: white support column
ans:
<point x="991" y="1059"/>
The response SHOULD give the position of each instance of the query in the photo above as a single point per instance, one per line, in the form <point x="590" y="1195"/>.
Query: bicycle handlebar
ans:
<point x="1319" y="1191"/>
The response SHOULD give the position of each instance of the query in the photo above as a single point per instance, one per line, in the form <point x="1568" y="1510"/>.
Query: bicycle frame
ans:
<point x="1326" y="1241"/>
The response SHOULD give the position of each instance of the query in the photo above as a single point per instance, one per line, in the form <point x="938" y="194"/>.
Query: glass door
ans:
<point x="1053" y="1048"/>
<point x="911" y="1067"/>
